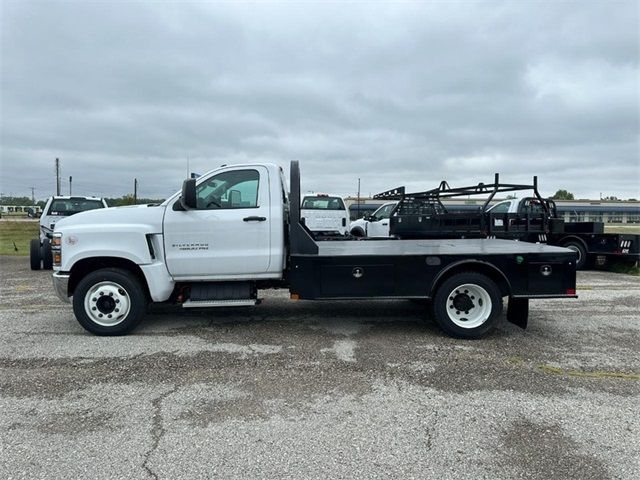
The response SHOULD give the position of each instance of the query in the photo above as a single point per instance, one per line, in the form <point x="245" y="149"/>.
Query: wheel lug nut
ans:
<point x="117" y="301"/>
<point x="94" y="299"/>
<point x="101" y="293"/>
<point x="466" y="313"/>
<point x="472" y="297"/>
<point x="457" y="312"/>
<point x="450" y="306"/>
<point x="117" y="309"/>
<point x="93" y="308"/>
<point x="109" y="315"/>
<point x="100" y="315"/>
<point x="111" y="294"/>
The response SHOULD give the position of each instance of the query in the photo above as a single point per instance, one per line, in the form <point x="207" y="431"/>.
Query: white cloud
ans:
<point x="394" y="93"/>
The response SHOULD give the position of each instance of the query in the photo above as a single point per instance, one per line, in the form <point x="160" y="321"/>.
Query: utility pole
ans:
<point x="135" y="191"/>
<point x="70" y="180"/>
<point x="33" y="195"/>
<point x="57" y="176"/>
<point x="358" y="198"/>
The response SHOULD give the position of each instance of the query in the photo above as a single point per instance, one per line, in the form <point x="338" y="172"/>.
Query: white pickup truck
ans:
<point x="235" y="230"/>
<point x="325" y="214"/>
<point x="56" y="208"/>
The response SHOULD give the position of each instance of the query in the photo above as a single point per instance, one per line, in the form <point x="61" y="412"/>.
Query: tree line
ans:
<point x="112" y="202"/>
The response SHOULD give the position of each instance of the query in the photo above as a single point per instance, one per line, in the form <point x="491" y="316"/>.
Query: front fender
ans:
<point x="128" y="242"/>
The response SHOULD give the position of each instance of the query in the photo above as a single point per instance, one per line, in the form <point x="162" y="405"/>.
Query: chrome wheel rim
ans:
<point x="107" y="304"/>
<point x="469" y="305"/>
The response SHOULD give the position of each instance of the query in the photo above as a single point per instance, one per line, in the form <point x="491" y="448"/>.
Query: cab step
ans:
<point x="240" y="302"/>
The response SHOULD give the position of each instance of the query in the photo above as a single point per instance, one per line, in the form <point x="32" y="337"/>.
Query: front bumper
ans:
<point x="60" y="285"/>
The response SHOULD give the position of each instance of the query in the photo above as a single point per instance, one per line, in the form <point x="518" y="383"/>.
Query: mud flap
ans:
<point x="518" y="311"/>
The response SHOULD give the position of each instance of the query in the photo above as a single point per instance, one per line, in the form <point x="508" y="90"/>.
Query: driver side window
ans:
<point x="384" y="212"/>
<point x="234" y="189"/>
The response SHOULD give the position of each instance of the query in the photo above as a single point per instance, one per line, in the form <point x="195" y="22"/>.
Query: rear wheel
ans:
<point x="577" y="247"/>
<point x="467" y="305"/>
<point x="34" y="254"/>
<point x="110" y="301"/>
<point x="357" y="232"/>
<point x="47" y="256"/>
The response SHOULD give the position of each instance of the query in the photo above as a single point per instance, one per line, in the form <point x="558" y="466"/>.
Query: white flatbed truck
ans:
<point x="235" y="231"/>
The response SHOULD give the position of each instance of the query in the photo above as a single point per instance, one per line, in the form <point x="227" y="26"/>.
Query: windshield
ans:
<point x="70" y="206"/>
<point x="322" y="203"/>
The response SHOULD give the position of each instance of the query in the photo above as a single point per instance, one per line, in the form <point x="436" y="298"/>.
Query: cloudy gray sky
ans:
<point x="405" y="93"/>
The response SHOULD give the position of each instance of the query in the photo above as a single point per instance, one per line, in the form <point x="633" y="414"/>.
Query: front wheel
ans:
<point x="47" y="255"/>
<point x="109" y="301"/>
<point x="467" y="305"/>
<point x="35" y="258"/>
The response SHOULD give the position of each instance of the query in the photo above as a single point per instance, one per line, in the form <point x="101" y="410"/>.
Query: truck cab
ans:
<point x="234" y="229"/>
<point x="527" y="205"/>
<point x="374" y="225"/>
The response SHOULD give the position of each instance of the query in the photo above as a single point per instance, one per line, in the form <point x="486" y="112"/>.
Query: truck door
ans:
<point x="229" y="232"/>
<point x="379" y="225"/>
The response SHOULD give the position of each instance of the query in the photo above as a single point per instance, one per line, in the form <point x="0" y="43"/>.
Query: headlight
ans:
<point x="56" y="251"/>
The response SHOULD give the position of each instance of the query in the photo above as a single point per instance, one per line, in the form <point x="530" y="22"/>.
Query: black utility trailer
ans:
<point x="464" y="280"/>
<point x="424" y="215"/>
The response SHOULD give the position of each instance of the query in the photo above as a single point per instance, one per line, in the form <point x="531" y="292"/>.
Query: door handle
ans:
<point x="254" y="219"/>
<point x="385" y="223"/>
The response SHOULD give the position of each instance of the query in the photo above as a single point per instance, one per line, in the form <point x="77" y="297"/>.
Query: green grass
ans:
<point x="622" y="228"/>
<point x="622" y="267"/>
<point x="19" y="233"/>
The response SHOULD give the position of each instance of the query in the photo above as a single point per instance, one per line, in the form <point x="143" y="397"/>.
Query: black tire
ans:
<point x="357" y="232"/>
<point x="457" y="293"/>
<point x="47" y="255"/>
<point x="576" y="246"/>
<point x="34" y="254"/>
<point x="104" y="291"/>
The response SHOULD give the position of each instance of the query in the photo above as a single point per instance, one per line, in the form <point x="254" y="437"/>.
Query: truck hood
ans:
<point x="149" y="217"/>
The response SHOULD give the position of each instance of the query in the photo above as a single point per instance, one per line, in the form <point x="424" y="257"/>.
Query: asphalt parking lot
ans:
<point x="320" y="390"/>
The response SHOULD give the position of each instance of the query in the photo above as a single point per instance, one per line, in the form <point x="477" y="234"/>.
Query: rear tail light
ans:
<point x="571" y="291"/>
